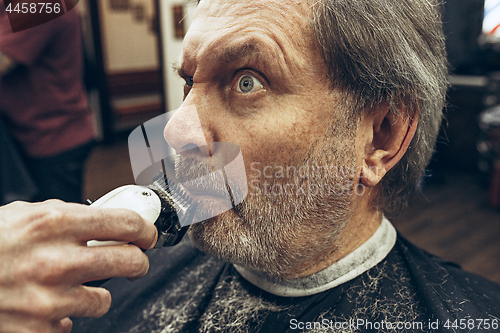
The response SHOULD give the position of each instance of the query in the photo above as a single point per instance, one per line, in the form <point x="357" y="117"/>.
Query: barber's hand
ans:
<point x="44" y="260"/>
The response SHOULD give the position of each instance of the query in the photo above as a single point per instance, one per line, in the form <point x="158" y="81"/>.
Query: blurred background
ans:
<point x="131" y="45"/>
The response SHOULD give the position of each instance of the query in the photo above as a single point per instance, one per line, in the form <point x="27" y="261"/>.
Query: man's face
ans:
<point x="256" y="79"/>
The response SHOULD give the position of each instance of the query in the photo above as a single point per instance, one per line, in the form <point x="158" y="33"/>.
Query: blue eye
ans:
<point x="189" y="81"/>
<point x="247" y="84"/>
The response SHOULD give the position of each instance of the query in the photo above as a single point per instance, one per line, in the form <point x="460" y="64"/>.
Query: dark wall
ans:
<point x="462" y="26"/>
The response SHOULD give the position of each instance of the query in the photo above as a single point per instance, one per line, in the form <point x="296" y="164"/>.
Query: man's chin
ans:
<point x="228" y="238"/>
<point x="221" y="237"/>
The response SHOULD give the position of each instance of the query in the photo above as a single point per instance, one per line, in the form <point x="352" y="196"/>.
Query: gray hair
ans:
<point x="389" y="51"/>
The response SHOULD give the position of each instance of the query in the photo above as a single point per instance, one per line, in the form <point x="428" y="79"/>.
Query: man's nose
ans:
<point x="184" y="131"/>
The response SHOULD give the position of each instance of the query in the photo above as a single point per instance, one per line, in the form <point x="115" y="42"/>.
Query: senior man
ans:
<point x="335" y="105"/>
<point x="351" y="92"/>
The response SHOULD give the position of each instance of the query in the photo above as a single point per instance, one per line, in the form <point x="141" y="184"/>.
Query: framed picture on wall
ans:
<point x="120" y="4"/>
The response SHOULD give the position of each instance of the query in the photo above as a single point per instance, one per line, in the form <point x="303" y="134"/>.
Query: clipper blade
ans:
<point x="175" y="202"/>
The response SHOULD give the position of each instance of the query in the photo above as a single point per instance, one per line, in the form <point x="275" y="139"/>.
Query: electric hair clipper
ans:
<point x="158" y="203"/>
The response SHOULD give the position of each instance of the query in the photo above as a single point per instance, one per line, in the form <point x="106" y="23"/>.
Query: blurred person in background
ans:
<point x="44" y="104"/>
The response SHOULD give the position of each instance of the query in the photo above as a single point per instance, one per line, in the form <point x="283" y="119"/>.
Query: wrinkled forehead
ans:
<point x="285" y="14"/>
<point x="242" y="7"/>
<point x="279" y="26"/>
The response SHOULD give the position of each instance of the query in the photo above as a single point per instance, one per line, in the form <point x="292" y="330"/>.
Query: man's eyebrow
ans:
<point x="233" y="54"/>
<point x="229" y="55"/>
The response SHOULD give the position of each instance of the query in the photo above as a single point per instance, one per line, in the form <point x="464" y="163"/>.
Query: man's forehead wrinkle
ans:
<point x="290" y="12"/>
<point x="224" y="6"/>
<point x="221" y="8"/>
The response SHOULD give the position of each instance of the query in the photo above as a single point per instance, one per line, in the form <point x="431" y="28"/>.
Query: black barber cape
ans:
<point x="407" y="290"/>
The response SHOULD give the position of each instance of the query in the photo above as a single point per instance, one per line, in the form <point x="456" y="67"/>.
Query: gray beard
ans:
<point x="275" y="233"/>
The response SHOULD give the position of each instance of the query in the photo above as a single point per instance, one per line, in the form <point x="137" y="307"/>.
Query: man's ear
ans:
<point x="385" y="137"/>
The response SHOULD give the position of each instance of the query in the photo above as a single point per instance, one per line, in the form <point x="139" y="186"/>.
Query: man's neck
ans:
<point x="363" y="223"/>
<point x="357" y="231"/>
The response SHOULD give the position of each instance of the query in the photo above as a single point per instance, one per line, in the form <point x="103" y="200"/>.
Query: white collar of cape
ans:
<point x="366" y="256"/>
